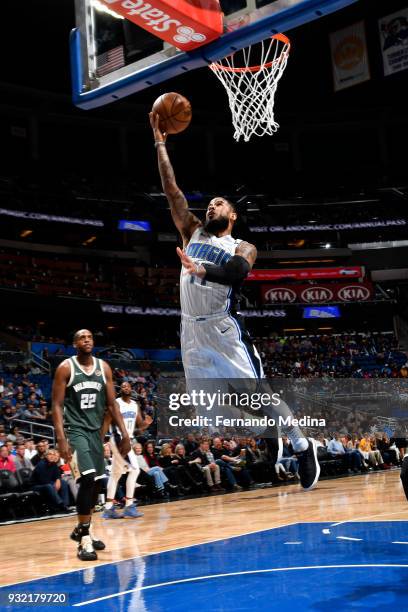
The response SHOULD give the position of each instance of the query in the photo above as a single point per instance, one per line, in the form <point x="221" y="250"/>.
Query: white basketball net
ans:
<point x="251" y="89"/>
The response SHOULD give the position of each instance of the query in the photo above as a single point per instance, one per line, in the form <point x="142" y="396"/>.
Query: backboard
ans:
<point x="112" y="57"/>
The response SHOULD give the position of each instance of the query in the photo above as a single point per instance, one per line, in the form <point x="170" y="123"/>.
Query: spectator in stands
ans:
<point x="3" y="438"/>
<point x="192" y="471"/>
<point x="31" y="413"/>
<point x="38" y="391"/>
<point x="351" y="459"/>
<point x="389" y="451"/>
<point x="30" y="449"/>
<point x="281" y="473"/>
<point x="6" y="460"/>
<point x="172" y="468"/>
<point x="373" y="457"/>
<point x="46" y="479"/>
<point x="40" y="454"/>
<point x="321" y="441"/>
<point x="9" y="414"/>
<point x="21" y="460"/>
<point x="19" y="402"/>
<point x="150" y="455"/>
<point x="33" y="399"/>
<point x="14" y="434"/>
<point x="205" y="459"/>
<point x="373" y="442"/>
<point x="156" y="472"/>
<point x="190" y="444"/>
<point x="223" y="458"/>
<point x="257" y="463"/>
<point x="67" y="477"/>
<point x="351" y="444"/>
<point x="402" y="445"/>
<point x="11" y="448"/>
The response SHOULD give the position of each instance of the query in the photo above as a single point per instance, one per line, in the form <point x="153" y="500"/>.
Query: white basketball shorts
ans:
<point x="218" y="346"/>
<point x="121" y="465"/>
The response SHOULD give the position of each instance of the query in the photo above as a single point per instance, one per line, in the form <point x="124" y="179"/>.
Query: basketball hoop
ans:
<point x="251" y="88"/>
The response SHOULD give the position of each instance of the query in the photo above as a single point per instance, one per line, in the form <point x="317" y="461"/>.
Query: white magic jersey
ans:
<point x="129" y="413"/>
<point x="200" y="297"/>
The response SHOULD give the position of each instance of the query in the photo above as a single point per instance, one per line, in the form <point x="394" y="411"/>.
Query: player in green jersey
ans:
<point x="82" y="391"/>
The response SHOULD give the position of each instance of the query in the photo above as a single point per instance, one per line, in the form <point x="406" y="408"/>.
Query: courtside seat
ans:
<point x="27" y="498"/>
<point x="8" y="494"/>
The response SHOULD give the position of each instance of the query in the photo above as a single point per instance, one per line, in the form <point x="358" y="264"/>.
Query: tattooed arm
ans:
<point x="247" y="251"/>
<point x="185" y="221"/>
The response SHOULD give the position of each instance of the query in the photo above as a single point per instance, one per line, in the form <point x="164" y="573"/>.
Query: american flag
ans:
<point x="109" y="61"/>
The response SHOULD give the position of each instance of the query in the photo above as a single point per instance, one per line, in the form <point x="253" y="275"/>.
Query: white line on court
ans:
<point x="351" y="539"/>
<point x="357" y="519"/>
<point x="248" y="572"/>
<point x="158" y="552"/>
<point x="399" y="542"/>
<point x="293" y="542"/>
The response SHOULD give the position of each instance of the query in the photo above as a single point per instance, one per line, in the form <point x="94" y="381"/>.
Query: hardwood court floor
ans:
<point x="43" y="548"/>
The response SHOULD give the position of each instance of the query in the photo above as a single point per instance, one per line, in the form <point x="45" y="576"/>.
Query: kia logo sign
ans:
<point x="316" y="295"/>
<point x="280" y="294"/>
<point x="354" y="293"/>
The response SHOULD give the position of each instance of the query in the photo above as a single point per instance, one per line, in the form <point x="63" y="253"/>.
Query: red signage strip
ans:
<point x="185" y="24"/>
<point x="353" y="272"/>
<point x="317" y="294"/>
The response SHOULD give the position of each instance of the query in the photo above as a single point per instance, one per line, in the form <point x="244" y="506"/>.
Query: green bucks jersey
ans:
<point x="85" y="397"/>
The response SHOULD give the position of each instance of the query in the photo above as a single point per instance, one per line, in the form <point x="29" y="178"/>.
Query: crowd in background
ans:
<point x="200" y="465"/>
<point x="337" y="355"/>
<point x="195" y="465"/>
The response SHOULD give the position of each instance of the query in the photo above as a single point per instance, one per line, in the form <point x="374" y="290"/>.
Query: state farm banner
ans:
<point x="317" y="294"/>
<point x="185" y="24"/>
<point x="349" y="56"/>
<point x="343" y="272"/>
<point x="394" y="41"/>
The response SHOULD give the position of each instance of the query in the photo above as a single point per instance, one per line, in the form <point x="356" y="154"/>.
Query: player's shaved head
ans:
<point x="83" y="341"/>
<point x="81" y="332"/>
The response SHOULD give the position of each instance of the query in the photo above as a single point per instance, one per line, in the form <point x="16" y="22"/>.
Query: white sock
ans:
<point x="130" y="484"/>
<point x="108" y="505"/>
<point x="129" y="502"/>
<point x="112" y="486"/>
<point x="299" y="442"/>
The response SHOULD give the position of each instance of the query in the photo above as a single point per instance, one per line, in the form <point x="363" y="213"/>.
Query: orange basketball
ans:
<point x="174" y="111"/>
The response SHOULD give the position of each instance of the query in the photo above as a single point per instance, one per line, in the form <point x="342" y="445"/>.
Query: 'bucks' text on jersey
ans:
<point x="85" y="396"/>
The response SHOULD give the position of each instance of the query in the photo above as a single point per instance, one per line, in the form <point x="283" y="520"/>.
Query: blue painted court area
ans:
<point x="305" y="566"/>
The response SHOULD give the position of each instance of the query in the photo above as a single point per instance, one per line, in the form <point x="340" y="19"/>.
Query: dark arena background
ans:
<point x="87" y="242"/>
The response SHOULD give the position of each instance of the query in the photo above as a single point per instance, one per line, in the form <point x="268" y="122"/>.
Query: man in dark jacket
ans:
<point x="46" y="479"/>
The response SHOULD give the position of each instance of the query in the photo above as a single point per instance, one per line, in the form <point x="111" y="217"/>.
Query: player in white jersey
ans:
<point x="130" y="412"/>
<point x="214" y="342"/>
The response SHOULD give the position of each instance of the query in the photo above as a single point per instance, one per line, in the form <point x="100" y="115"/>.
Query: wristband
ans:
<point x="159" y="142"/>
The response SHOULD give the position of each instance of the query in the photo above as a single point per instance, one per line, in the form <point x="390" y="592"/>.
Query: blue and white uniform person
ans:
<point x="209" y="321"/>
<point x="214" y="343"/>
<point x="124" y="465"/>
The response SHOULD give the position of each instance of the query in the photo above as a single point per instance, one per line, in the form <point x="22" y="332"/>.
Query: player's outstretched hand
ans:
<point x="159" y="136"/>
<point x="65" y="450"/>
<point x="189" y="265"/>
<point x="124" y="446"/>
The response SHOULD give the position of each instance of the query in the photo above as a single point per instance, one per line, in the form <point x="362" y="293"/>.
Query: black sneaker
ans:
<point x="86" y="551"/>
<point x="404" y="475"/>
<point x="97" y="544"/>
<point x="309" y="468"/>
